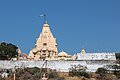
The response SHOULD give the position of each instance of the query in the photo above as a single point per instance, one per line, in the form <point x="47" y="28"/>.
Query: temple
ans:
<point x="46" y="46"/>
<point x="46" y="49"/>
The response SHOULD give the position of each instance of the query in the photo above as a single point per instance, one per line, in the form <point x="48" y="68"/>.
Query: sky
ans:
<point x="76" y="24"/>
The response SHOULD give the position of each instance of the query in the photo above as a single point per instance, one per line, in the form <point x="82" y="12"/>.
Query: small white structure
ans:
<point x="4" y="74"/>
<point x="95" y="56"/>
<point x="44" y="77"/>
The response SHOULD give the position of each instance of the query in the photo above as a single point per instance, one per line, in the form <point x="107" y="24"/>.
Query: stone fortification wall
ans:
<point x="62" y="66"/>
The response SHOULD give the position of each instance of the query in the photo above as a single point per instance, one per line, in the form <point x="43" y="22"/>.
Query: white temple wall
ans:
<point x="62" y="66"/>
<point x="96" y="56"/>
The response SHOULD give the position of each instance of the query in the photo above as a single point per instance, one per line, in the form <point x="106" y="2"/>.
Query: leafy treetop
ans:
<point x="8" y="51"/>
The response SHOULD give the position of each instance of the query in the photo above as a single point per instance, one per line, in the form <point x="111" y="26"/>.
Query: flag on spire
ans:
<point x="43" y="15"/>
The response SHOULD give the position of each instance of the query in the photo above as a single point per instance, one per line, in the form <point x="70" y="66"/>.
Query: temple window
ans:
<point x="44" y="44"/>
<point x="44" y="51"/>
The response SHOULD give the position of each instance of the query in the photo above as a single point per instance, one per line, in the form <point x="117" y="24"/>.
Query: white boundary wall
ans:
<point x="62" y="66"/>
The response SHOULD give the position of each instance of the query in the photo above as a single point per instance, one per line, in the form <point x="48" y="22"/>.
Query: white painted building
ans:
<point x="95" y="56"/>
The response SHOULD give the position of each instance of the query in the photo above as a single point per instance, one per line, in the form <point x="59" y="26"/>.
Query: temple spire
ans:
<point x="46" y="46"/>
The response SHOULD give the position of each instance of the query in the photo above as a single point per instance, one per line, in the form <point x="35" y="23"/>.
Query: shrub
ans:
<point x="85" y="74"/>
<point x="78" y="71"/>
<point x="52" y="74"/>
<point x="101" y="71"/>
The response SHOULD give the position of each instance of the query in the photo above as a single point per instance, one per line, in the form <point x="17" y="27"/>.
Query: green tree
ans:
<point x="8" y="51"/>
<point x="116" y="70"/>
<point x="117" y="66"/>
<point x="117" y="56"/>
<point x="101" y="71"/>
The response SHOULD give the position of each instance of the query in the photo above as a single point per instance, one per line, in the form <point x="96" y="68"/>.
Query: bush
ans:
<point x="35" y="74"/>
<point x="72" y="72"/>
<point x="117" y="56"/>
<point x="117" y="73"/>
<point x="78" y="71"/>
<point x="101" y="71"/>
<point x="2" y="78"/>
<point x="85" y="74"/>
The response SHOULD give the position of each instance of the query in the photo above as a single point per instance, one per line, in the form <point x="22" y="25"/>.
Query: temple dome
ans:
<point x="62" y="54"/>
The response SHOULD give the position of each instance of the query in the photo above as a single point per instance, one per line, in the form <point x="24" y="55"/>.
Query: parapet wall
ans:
<point x="62" y="66"/>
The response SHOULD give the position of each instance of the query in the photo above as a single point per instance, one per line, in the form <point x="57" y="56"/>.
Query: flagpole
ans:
<point x="44" y="18"/>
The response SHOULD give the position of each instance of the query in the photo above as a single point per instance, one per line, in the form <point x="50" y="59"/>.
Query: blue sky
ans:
<point x="92" y="24"/>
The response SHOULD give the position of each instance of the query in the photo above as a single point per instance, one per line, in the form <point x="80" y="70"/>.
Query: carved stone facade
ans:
<point x="45" y="47"/>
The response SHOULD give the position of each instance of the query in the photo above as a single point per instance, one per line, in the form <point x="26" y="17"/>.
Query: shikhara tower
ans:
<point x="45" y="47"/>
